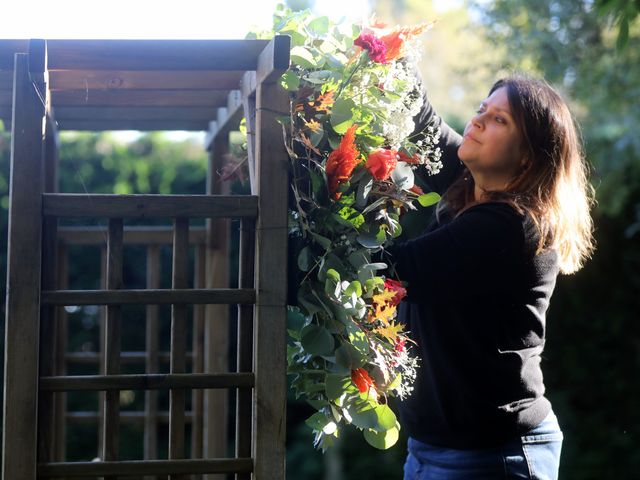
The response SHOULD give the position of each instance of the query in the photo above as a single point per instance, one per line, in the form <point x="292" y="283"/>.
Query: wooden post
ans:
<point x="112" y="344"/>
<point x="271" y="275"/>
<point x="245" y="341"/>
<point x="61" y="350"/>
<point x="216" y="325"/>
<point x="197" y="363"/>
<point x="178" y="351"/>
<point x="23" y="279"/>
<point x="48" y="329"/>
<point x="152" y="341"/>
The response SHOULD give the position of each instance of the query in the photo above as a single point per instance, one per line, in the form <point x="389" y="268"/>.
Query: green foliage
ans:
<point x="352" y="161"/>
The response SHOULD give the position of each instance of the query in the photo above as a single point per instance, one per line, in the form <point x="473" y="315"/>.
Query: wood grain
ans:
<point x="23" y="280"/>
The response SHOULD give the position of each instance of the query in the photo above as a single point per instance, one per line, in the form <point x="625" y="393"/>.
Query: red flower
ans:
<point x="381" y="163"/>
<point x="342" y="161"/>
<point x="416" y="189"/>
<point x="400" y="344"/>
<point x="375" y="47"/>
<point x="395" y="286"/>
<point x="361" y="379"/>
<point x="406" y="158"/>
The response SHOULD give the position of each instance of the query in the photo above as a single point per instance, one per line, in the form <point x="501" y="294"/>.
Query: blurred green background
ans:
<point x="589" y="50"/>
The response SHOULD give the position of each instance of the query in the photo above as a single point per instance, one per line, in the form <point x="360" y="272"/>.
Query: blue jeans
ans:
<point x="534" y="455"/>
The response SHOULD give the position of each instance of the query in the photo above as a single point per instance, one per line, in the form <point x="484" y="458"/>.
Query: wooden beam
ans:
<point x="146" y="382"/>
<point x="126" y="358"/>
<point x="133" y="235"/>
<point x="150" y="80"/>
<point x="8" y="48"/>
<point x="144" y="467"/>
<point x="141" y="125"/>
<point x="227" y="55"/>
<point x="148" y="206"/>
<point x="129" y="417"/>
<point x="222" y="126"/>
<point x="273" y="61"/>
<point x="149" y="297"/>
<point x="6" y="98"/>
<point x="22" y="325"/>
<point x="165" y="114"/>
<point x="142" y="98"/>
<point x="6" y="80"/>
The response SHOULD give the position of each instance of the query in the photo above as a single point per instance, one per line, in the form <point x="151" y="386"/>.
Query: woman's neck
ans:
<point x="484" y="185"/>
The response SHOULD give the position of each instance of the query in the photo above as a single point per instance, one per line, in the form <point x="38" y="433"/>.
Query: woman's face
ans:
<point x="492" y="144"/>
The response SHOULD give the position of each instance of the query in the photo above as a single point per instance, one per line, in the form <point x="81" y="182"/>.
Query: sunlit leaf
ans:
<point x="428" y="199"/>
<point x="382" y="440"/>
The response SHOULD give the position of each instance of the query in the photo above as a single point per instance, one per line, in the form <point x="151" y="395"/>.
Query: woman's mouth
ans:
<point x="470" y="137"/>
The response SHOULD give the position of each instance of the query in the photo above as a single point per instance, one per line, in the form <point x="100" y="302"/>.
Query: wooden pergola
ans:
<point x="48" y="86"/>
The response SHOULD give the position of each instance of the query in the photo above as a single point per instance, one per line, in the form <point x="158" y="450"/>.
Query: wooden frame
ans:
<point x="177" y="84"/>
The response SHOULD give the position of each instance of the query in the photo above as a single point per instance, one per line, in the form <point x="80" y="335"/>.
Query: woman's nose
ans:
<point x="477" y="120"/>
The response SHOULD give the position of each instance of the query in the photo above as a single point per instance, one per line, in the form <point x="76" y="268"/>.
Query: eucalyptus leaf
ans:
<point x="369" y="240"/>
<point x="349" y="357"/>
<point x="382" y="440"/>
<point x="363" y="415"/>
<point x="303" y="57"/>
<point x="386" y="418"/>
<point x="428" y="199"/>
<point x="319" y="26"/>
<point x="374" y="266"/>
<point x="335" y="385"/>
<point x="305" y="259"/>
<point x="290" y="81"/>
<point x="403" y="176"/>
<point x="296" y="320"/>
<point x="357" y="338"/>
<point x="317" y="340"/>
<point x="364" y="188"/>
<point x="342" y="115"/>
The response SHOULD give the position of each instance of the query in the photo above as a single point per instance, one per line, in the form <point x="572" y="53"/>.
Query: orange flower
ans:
<point x="342" y="161"/>
<point x="395" y="40"/>
<point x="381" y="163"/>
<point x="361" y="379"/>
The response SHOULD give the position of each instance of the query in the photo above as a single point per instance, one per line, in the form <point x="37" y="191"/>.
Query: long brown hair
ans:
<point x="552" y="186"/>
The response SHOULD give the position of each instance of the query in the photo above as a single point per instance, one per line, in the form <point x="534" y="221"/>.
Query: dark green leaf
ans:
<point x="317" y="340"/>
<point x="336" y="385"/>
<point x="305" y="259"/>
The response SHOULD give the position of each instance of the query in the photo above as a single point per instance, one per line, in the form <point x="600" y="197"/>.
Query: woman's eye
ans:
<point x="500" y="120"/>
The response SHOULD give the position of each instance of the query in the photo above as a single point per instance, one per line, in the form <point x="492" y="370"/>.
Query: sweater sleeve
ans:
<point x="469" y="255"/>
<point x="449" y="142"/>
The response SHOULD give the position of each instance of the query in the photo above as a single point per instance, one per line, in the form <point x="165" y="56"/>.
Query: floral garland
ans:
<point x="350" y="137"/>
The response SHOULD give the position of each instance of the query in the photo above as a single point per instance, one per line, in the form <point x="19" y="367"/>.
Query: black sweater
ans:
<point x="476" y="303"/>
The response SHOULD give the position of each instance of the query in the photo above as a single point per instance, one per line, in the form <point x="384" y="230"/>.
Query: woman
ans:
<point x="515" y="213"/>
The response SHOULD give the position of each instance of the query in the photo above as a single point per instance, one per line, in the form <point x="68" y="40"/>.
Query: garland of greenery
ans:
<point x="353" y="149"/>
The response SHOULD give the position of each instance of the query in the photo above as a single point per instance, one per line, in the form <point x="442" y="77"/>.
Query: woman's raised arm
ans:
<point x="449" y="142"/>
